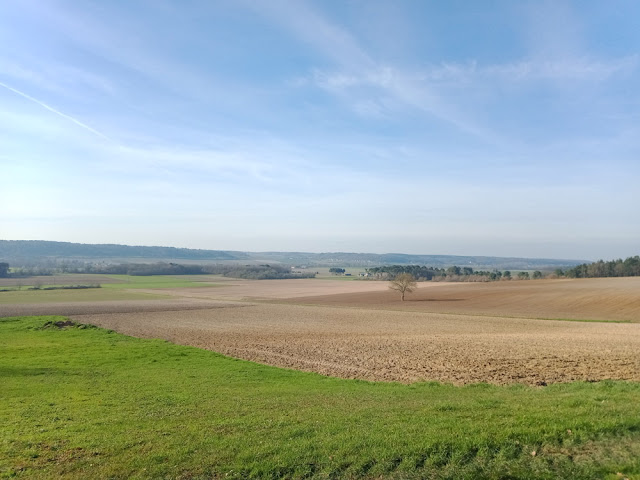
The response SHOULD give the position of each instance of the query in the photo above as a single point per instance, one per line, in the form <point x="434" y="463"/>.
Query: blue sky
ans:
<point x="462" y="127"/>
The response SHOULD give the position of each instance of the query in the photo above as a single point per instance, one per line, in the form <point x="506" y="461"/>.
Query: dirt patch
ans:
<point x="59" y="324"/>
<point x="396" y="345"/>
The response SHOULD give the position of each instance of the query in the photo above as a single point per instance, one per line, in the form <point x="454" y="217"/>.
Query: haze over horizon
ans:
<point x="498" y="128"/>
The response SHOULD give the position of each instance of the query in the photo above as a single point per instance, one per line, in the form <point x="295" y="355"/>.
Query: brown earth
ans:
<point x="106" y="307"/>
<point x="355" y="333"/>
<point x="398" y="346"/>
<point x="581" y="299"/>
<point x="235" y="289"/>
<point x="592" y="298"/>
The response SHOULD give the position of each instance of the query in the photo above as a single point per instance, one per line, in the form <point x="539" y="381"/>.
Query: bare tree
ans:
<point x="403" y="283"/>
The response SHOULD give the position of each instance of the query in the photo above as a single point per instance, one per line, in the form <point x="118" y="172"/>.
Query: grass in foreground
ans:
<point x="90" y="403"/>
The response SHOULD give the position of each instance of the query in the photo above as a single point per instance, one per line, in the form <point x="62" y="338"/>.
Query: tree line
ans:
<point x="255" y="272"/>
<point x="630" y="267"/>
<point x="453" y="273"/>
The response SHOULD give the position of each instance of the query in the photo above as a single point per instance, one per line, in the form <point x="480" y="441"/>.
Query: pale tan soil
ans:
<point x="108" y="306"/>
<point x="592" y="298"/>
<point x="236" y="289"/>
<point x="398" y="346"/>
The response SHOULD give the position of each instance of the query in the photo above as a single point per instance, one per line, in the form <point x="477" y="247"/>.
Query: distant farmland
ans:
<point x="533" y="332"/>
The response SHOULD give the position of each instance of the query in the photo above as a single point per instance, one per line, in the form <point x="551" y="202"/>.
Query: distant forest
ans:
<point x="451" y="274"/>
<point x="254" y="272"/>
<point x="259" y="272"/>
<point x="629" y="267"/>
<point x="615" y="268"/>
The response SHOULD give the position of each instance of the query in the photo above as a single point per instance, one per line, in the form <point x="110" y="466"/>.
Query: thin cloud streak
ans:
<point x="57" y="112"/>
<point x="578" y="69"/>
<point x="359" y="66"/>
<point x="308" y="25"/>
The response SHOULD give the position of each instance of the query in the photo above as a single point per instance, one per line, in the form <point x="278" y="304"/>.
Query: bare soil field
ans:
<point x="591" y="298"/>
<point x="107" y="307"/>
<point x="397" y="346"/>
<point x="235" y="289"/>
<point x="460" y="333"/>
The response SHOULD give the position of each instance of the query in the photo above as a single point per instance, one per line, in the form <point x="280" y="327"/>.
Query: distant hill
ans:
<point x="17" y="252"/>
<point x="33" y="249"/>
<point x="373" y="259"/>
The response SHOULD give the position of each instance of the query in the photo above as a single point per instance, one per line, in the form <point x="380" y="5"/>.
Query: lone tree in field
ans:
<point x="403" y="283"/>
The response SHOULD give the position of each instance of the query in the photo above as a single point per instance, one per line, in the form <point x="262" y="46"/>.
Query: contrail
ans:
<point x="57" y="112"/>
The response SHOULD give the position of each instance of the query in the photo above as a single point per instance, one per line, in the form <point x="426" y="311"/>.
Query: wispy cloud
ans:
<point x="55" y="77"/>
<point x="135" y="48"/>
<point x="57" y="112"/>
<point x="312" y="28"/>
<point x="570" y="69"/>
<point x="451" y="91"/>
<point x="379" y="91"/>
<point x="460" y="94"/>
<point x="359" y="68"/>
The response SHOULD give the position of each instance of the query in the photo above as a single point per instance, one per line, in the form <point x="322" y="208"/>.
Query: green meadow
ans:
<point x="88" y="295"/>
<point x="123" y="289"/>
<point x="83" y="402"/>
<point x="156" y="281"/>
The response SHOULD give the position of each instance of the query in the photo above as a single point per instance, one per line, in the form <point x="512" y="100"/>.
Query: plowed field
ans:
<point x="398" y="346"/>
<point x="459" y="333"/>
<point x="592" y="299"/>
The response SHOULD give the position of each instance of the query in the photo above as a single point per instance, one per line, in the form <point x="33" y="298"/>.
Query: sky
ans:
<point x="465" y="128"/>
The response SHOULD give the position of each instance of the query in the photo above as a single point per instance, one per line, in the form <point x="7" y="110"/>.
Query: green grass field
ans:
<point x="124" y="289"/>
<point x="90" y="403"/>
<point x="156" y="281"/>
<point x="88" y="295"/>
